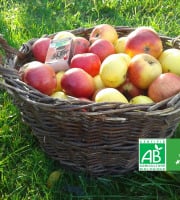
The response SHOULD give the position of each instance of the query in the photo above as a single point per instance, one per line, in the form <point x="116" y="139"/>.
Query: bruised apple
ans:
<point x="164" y="86"/>
<point x="40" y="49"/>
<point x="40" y="76"/>
<point x="143" y="69"/>
<point x="143" y="40"/>
<point x="103" y="31"/>
<point x="89" y="62"/>
<point x="102" y="48"/>
<point x="78" y="83"/>
<point x="80" y="45"/>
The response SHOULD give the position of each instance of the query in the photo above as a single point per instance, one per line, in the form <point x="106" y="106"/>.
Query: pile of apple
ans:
<point x="107" y="68"/>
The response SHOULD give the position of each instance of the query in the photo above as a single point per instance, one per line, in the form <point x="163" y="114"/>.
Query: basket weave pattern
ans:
<point x="97" y="138"/>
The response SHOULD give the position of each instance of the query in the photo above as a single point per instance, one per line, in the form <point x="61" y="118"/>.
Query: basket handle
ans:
<point x="7" y="48"/>
<point x="10" y="53"/>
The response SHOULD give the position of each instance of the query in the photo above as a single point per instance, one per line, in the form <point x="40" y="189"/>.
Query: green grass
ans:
<point x="24" y="167"/>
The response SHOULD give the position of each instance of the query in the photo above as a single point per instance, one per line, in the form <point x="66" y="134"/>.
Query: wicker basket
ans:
<point x="96" y="138"/>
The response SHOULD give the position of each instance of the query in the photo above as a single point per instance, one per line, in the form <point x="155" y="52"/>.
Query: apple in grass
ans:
<point x="102" y="48"/>
<point x="40" y="49"/>
<point x="164" y="86"/>
<point x="89" y="62"/>
<point x="40" y="76"/>
<point x="170" y="60"/>
<point x="103" y="31"/>
<point x="77" y="83"/>
<point x="143" y="69"/>
<point x="143" y="40"/>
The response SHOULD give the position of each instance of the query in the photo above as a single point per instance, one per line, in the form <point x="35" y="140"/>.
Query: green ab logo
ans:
<point x="152" y="155"/>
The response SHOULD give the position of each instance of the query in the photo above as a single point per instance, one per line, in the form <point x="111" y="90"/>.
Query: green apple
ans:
<point x="141" y="99"/>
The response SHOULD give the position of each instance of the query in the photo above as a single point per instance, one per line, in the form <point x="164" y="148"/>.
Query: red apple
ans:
<point x="102" y="48"/>
<point x="103" y="31"/>
<point x="164" y="86"/>
<point x="143" y="69"/>
<point x="40" y="76"/>
<point x="129" y="89"/>
<point x="40" y="48"/>
<point x="80" y="45"/>
<point x="78" y="83"/>
<point x="84" y="99"/>
<point x="89" y="62"/>
<point x="143" y="40"/>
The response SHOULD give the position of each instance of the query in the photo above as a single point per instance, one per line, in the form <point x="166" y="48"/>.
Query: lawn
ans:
<point x="25" y="170"/>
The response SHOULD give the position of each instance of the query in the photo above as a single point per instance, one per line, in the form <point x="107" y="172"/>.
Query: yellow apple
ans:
<point x="103" y="31"/>
<point x="63" y="34"/>
<point x="170" y="60"/>
<point x="120" y="44"/>
<point x="59" y="76"/>
<point x="110" y="95"/>
<point x="141" y="99"/>
<point x="113" y="70"/>
<point x="126" y="57"/>
<point x="98" y="82"/>
<point x="59" y="95"/>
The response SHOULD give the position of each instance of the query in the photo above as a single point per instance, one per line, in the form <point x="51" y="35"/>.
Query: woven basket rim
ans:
<point x="74" y="103"/>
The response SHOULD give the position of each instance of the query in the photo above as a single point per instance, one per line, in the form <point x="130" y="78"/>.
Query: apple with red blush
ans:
<point x="80" y="45"/>
<point x="102" y="48"/>
<point x="40" y="76"/>
<point x="143" y="69"/>
<point x="164" y="86"/>
<point x="130" y="90"/>
<point x="77" y="83"/>
<point x="40" y="48"/>
<point x="89" y="62"/>
<point x="103" y="31"/>
<point x="143" y="40"/>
